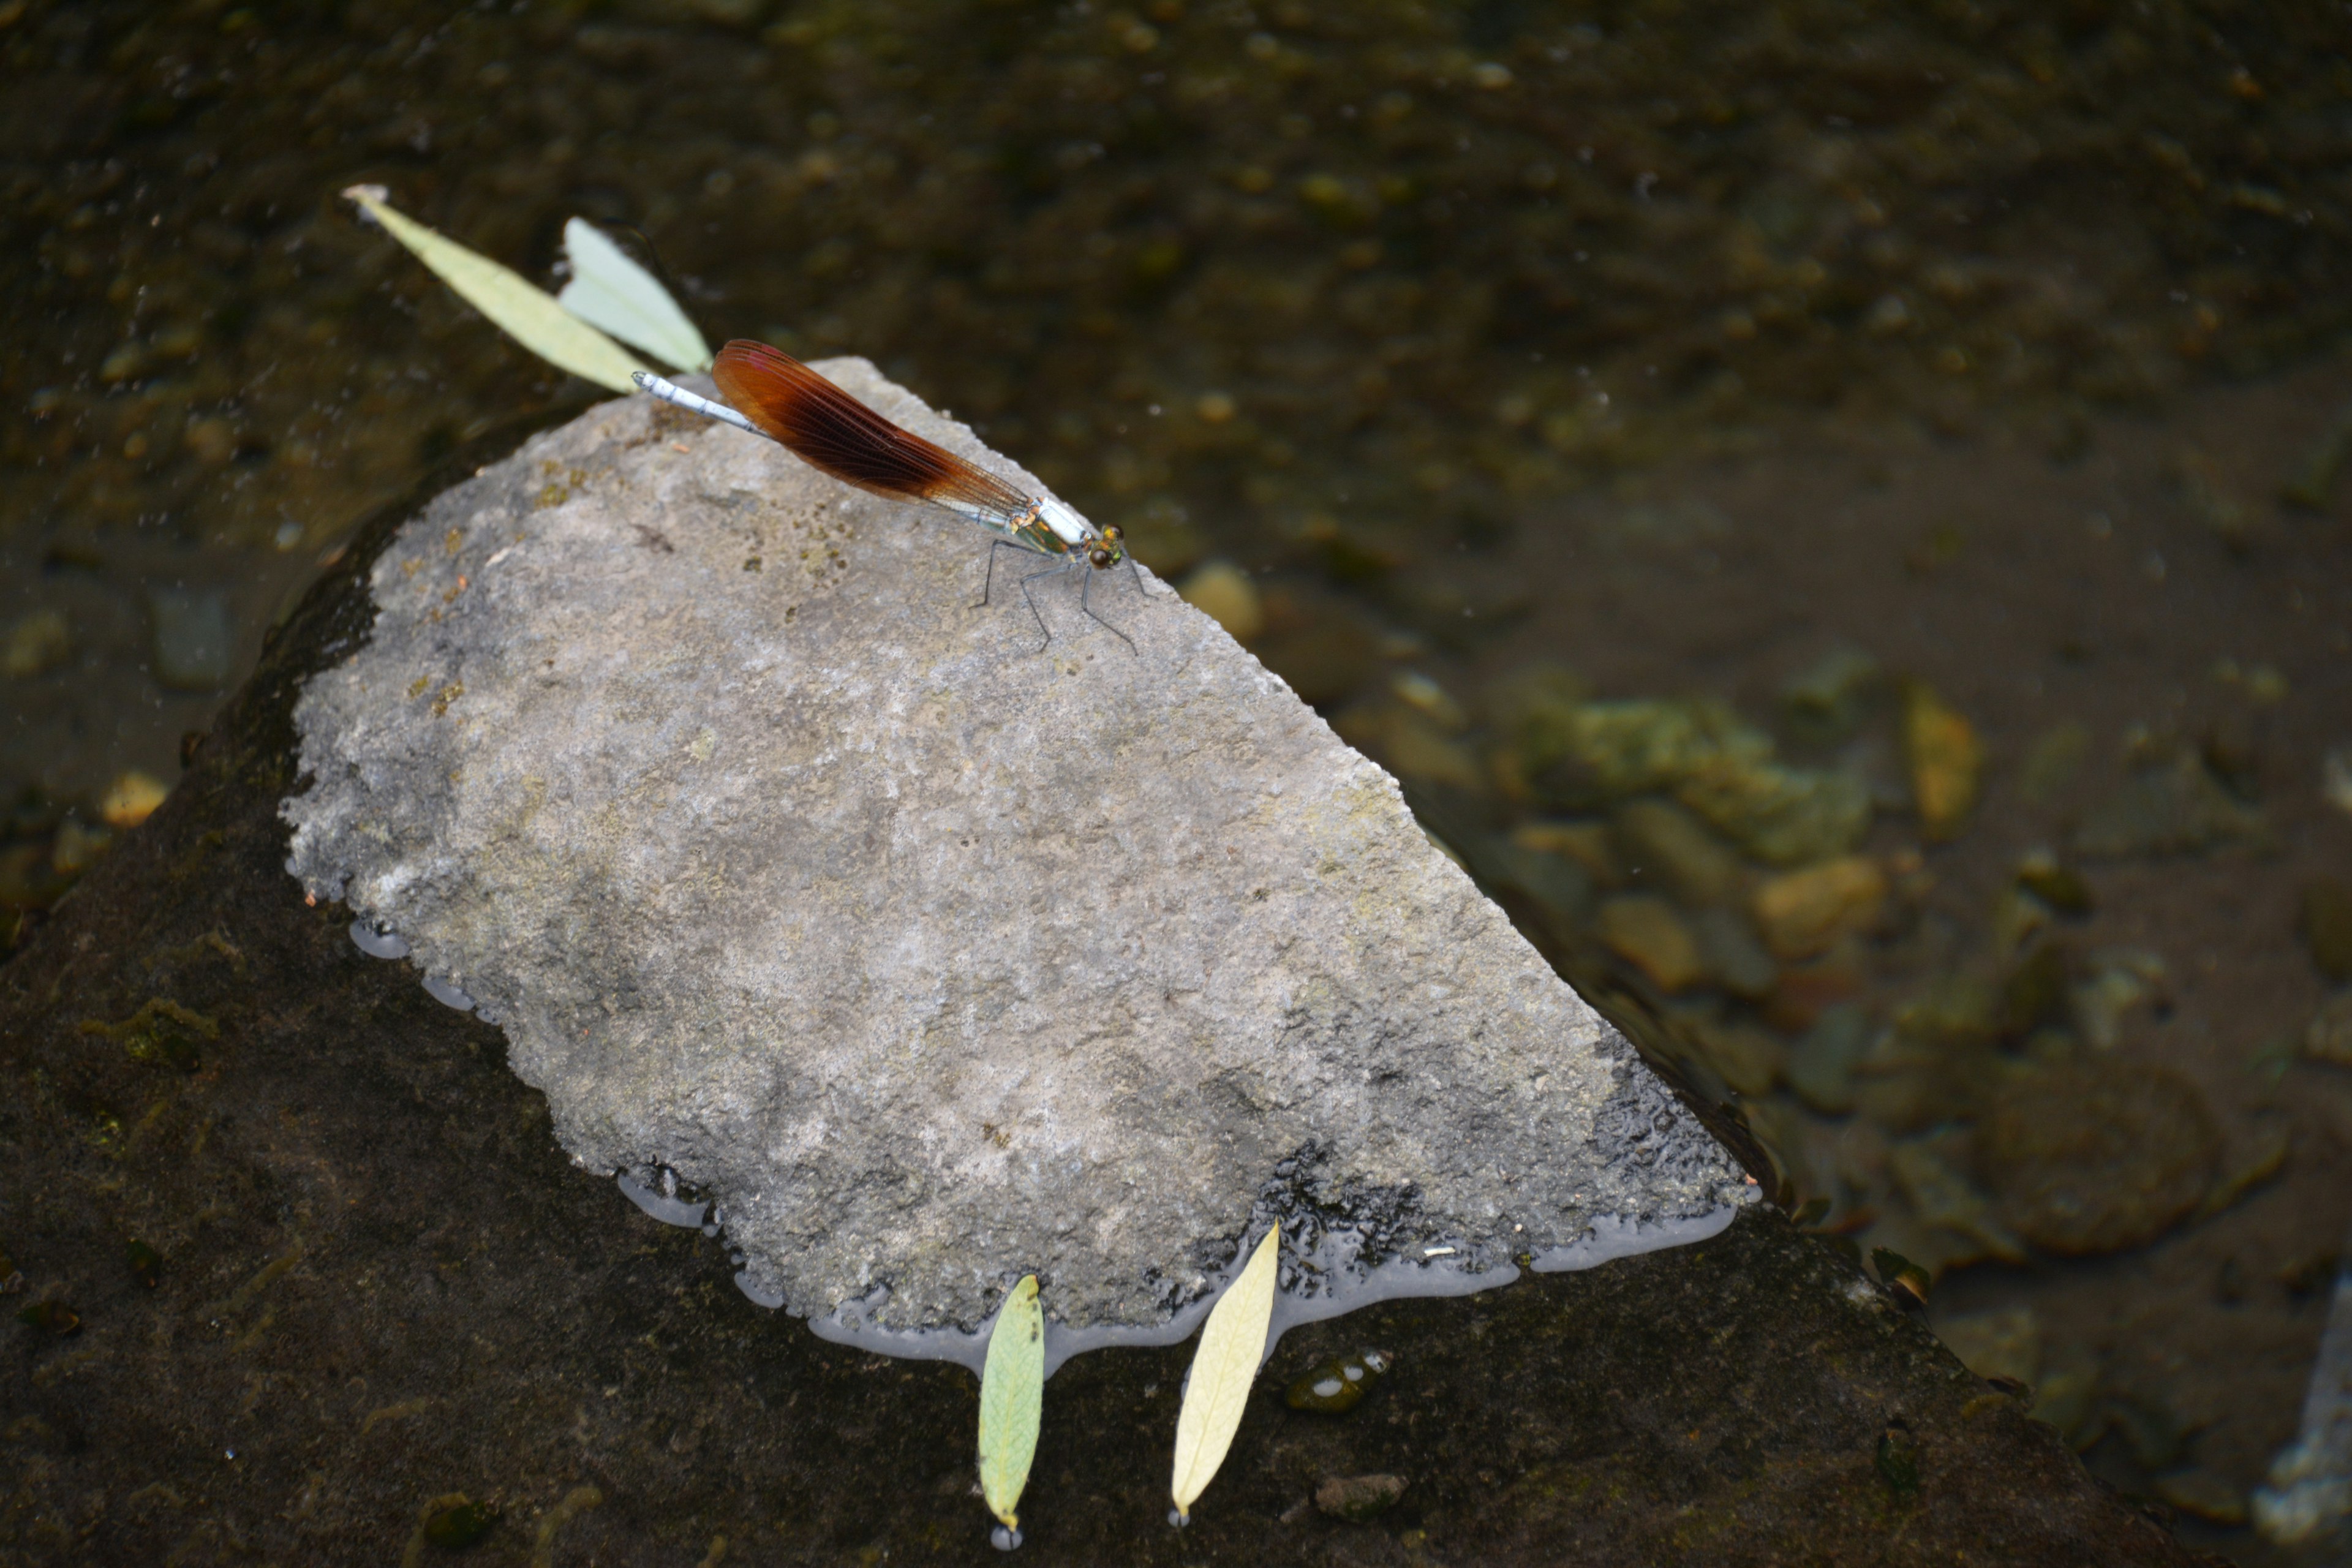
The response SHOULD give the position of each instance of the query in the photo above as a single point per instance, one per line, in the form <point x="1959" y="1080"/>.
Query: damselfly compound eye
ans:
<point x="1099" y="557"/>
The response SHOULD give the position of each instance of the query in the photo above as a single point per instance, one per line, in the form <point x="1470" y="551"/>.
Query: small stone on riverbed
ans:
<point x="1359" y="1497"/>
<point x="2097" y="1157"/>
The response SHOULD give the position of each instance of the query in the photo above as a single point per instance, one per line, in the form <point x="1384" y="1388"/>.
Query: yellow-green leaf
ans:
<point x="609" y="290"/>
<point x="527" y="313"/>
<point x="1012" y="1393"/>
<point x="1233" y="1346"/>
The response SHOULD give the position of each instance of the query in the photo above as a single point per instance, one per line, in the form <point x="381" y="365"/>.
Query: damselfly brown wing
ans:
<point x="828" y="429"/>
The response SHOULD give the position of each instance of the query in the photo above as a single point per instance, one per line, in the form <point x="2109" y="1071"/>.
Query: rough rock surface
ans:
<point x="932" y="955"/>
<point x="373" y="1282"/>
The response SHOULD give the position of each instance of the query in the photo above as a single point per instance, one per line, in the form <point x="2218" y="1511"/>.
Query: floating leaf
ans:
<point x="1012" y="1392"/>
<point x="1233" y="1344"/>
<point x="525" y="312"/>
<point x="610" y="290"/>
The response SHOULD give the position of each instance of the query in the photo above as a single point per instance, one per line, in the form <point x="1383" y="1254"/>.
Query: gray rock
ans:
<point x="930" y="957"/>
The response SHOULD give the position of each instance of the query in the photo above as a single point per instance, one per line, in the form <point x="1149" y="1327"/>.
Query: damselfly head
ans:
<point x="1107" y="549"/>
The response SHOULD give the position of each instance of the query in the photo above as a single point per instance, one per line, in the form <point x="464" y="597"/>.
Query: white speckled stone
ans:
<point x="931" y="958"/>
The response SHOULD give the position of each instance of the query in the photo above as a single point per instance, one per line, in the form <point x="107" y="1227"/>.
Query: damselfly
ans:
<point x="776" y="396"/>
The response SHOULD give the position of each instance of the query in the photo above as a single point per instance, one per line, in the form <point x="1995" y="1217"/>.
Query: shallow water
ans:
<point x="1685" y="347"/>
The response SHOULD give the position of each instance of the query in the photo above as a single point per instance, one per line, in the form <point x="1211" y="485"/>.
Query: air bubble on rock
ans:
<point x="447" y="993"/>
<point x="1612" y="1238"/>
<point x="761" y="1296"/>
<point x="667" y="1208"/>
<point x="376" y="943"/>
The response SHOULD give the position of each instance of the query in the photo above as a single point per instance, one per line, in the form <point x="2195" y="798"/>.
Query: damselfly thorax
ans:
<point x="776" y="396"/>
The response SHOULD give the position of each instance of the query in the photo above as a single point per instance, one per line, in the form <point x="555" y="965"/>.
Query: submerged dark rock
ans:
<point x="2098" y="1156"/>
<point x="387" y="1286"/>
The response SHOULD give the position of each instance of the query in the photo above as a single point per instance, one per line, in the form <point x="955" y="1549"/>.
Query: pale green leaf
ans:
<point x="1233" y="1346"/>
<point x="528" y="315"/>
<point x="610" y="290"/>
<point x="1012" y="1393"/>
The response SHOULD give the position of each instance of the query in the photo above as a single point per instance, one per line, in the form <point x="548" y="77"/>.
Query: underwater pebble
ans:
<point x="1667" y="847"/>
<point x="193" y="642"/>
<point x="1947" y="762"/>
<point x="1802" y="913"/>
<point x="2017" y="916"/>
<point x="2325" y="921"/>
<point x="2115" y="980"/>
<point x="1782" y="815"/>
<point x="2005" y="1342"/>
<point x="1728" y="945"/>
<point x="1335" y="1383"/>
<point x="2068" y="1399"/>
<point x="1826" y="702"/>
<point x="1560" y="885"/>
<point x="2156" y="1434"/>
<point x="52" y="1318"/>
<point x="2063" y="890"/>
<point x="2035" y="991"/>
<point x="132" y="798"/>
<point x="1942" y="1197"/>
<point x="1748" y="1057"/>
<point x="1578" y="756"/>
<point x="2336" y="778"/>
<point x="36" y="641"/>
<point x="2329" y="1036"/>
<point x="1821" y="1064"/>
<point x="1225" y="592"/>
<point x="1414" y="747"/>
<point x="2091" y="1157"/>
<point x="1644" y="930"/>
<point x="1359" y="1497"/>
<point x="2052" y="761"/>
<point x="1804" y="991"/>
<point x="1591" y="844"/>
<point x="2206" y="1496"/>
<point x="455" y="1521"/>
<point x="1324" y="662"/>
<point x="2172" y="807"/>
<point x="1432" y="700"/>
<point x="77" y="848"/>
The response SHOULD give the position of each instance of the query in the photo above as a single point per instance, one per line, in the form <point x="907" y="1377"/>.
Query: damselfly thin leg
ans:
<point x="1086" y="585"/>
<point x="1031" y="599"/>
<point x="987" y="584"/>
